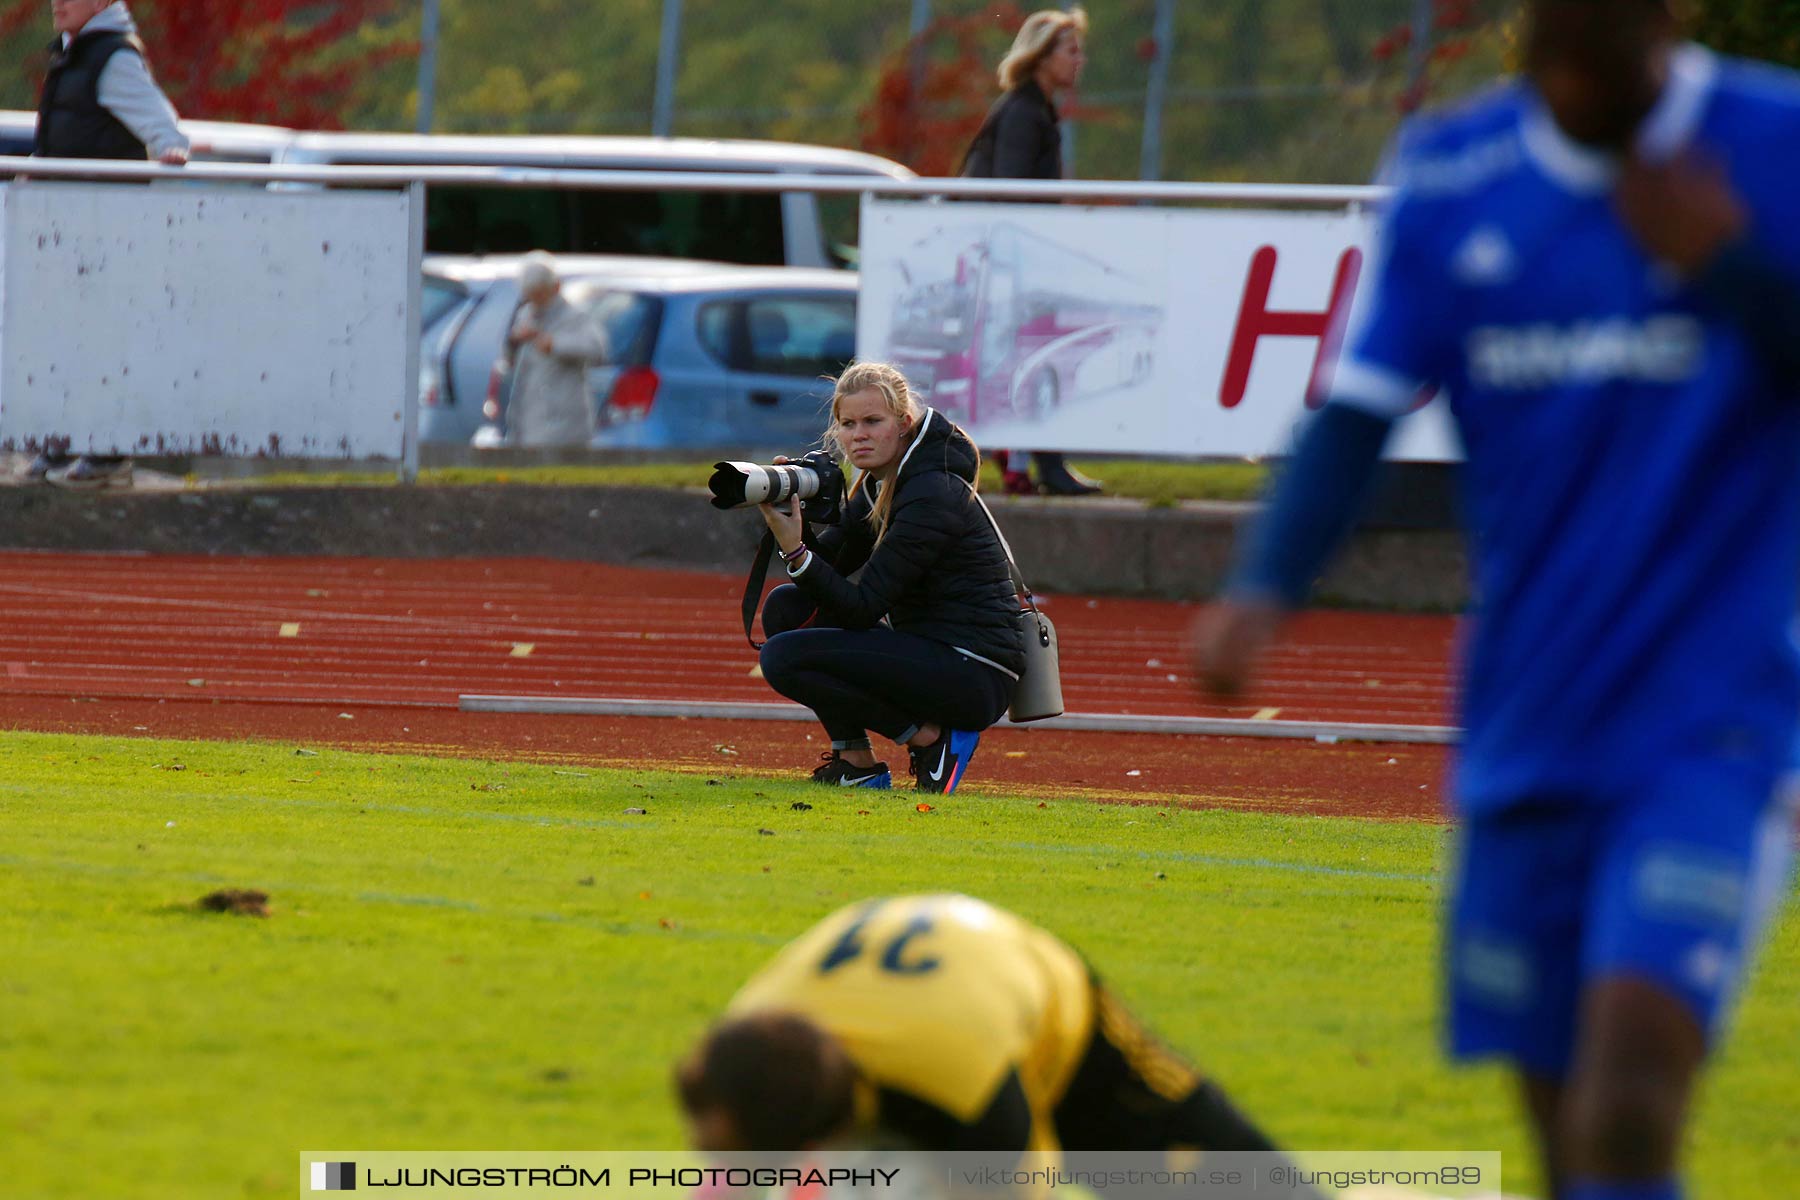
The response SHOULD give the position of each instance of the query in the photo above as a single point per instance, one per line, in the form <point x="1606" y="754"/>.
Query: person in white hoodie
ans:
<point x="100" y="101"/>
<point x="552" y="344"/>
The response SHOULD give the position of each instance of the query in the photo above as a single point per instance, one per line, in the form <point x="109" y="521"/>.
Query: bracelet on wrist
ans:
<point x="795" y="555"/>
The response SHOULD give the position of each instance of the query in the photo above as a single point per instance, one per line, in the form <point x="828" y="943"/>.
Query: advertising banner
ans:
<point x="203" y="319"/>
<point x="1181" y="332"/>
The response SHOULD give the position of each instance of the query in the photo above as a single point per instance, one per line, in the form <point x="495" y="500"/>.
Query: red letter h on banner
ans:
<point x="1257" y="321"/>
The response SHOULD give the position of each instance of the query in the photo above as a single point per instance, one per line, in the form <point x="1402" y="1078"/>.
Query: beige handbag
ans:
<point x="1039" y="694"/>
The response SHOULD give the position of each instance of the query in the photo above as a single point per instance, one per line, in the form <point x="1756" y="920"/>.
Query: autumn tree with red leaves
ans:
<point x="279" y="62"/>
<point x="1454" y="24"/>
<point x="928" y="126"/>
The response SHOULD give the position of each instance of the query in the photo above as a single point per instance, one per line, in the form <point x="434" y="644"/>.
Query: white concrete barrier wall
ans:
<point x="1173" y="331"/>
<point x="204" y="318"/>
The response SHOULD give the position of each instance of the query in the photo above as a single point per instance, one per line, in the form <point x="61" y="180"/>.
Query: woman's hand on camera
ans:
<point x="785" y="523"/>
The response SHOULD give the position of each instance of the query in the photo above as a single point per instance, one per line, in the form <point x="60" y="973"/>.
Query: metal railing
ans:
<point x="415" y="179"/>
<point x="598" y="179"/>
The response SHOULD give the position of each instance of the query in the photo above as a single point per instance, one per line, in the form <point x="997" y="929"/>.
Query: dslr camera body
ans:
<point x="815" y="477"/>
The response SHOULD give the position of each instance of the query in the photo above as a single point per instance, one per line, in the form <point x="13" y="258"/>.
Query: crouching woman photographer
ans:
<point x="944" y="665"/>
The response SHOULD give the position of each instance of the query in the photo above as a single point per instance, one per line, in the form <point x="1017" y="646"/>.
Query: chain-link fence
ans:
<point x="1269" y="90"/>
<point x="1276" y="90"/>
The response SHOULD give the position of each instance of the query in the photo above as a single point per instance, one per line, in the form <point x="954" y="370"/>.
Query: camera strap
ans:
<point x="753" y="586"/>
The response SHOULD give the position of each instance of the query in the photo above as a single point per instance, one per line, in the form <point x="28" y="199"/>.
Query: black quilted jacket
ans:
<point x="1020" y="139"/>
<point x="939" y="572"/>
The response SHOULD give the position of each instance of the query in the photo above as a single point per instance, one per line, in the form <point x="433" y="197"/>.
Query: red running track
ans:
<point x="420" y="633"/>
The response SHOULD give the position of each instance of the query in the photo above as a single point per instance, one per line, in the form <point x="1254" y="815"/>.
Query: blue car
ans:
<point x="703" y="354"/>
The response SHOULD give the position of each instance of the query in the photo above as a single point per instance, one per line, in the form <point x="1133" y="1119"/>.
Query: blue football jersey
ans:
<point x="1632" y="478"/>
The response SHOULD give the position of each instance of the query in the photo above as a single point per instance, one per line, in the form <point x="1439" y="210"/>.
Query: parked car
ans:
<point x="703" y="354"/>
<point x="757" y="228"/>
<point x="213" y="141"/>
<point x="448" y="296"/>
<point x="467" y="305"/>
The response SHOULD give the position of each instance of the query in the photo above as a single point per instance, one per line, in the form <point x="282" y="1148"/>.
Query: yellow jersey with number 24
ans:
<point x="940" y="998"/>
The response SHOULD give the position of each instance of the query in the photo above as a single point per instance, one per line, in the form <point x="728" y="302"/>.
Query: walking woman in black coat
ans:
<point x="1022" y="139"/>
<point x="924" y="647"/>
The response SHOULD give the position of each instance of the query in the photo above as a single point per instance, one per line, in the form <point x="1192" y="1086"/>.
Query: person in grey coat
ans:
<point x="552" y="344"/>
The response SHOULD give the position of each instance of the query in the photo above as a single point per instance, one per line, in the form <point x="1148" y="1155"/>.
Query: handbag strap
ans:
<point x="1012" y="564"/>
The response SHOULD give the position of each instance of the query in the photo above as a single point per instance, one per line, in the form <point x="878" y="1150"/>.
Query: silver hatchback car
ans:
<point x="703" y="354"/>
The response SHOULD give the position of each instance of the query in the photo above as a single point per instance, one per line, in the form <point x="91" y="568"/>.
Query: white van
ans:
<point x="759" y="228"/>
<point x="212" y="141"/>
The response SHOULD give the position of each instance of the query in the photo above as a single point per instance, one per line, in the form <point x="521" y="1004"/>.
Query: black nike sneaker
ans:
<point x="939" y="767"/>
<point x="837" y="771"/>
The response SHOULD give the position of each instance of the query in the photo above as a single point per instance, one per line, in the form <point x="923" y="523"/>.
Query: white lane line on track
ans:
<point x="492" y="662"/>
<point x="1107" y="722"/>
<point x="461" y="626"/>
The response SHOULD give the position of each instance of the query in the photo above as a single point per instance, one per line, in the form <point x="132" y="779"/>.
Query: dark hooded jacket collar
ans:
<point x="940" y="445"/>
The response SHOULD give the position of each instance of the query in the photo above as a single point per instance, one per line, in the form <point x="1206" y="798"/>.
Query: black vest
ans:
<point x="71" y="123"/>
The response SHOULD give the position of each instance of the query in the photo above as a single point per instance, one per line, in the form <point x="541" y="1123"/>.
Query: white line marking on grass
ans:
<point x="1216" y="860"/>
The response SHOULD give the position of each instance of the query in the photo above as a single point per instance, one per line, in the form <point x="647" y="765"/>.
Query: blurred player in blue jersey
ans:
<point x="1600" y="265"/>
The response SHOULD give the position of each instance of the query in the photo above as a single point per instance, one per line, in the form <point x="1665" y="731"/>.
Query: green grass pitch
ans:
<point x="473" y="955"/>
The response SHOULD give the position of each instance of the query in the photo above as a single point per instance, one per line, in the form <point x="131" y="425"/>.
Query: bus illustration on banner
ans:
<point x="1023" y="326"/>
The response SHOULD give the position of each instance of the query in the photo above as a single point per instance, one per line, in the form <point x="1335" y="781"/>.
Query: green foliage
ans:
<point x="464" y="954"/>
<point x="1768" y="29"/>
<point x="569" y="66"/>
<point x="1277" y="90"/>
<point x="1159" y="483"/>
<point x="1256" y="88"/>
